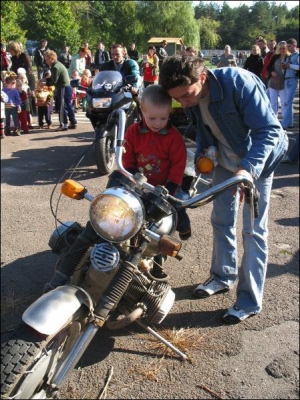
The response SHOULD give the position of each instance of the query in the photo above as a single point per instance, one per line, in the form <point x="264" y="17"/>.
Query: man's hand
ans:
<point x="247" y="174"/>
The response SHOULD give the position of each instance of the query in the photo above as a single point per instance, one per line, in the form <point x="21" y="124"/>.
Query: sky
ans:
<point x="232" y="4"/>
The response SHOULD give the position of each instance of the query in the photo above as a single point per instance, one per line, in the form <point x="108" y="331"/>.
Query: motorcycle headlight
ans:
<point x="116" y="214"/>
<point x="104" y="102"/>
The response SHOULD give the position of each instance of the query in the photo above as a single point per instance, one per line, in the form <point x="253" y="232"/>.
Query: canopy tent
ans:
<point x="174" y="46"/>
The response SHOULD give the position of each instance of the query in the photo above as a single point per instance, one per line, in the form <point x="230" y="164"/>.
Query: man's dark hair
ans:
<point x="292" y="41"/>
<point x="180" y="71"/>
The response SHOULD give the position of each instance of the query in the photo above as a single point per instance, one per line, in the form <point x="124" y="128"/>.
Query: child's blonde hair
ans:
<point x="155" y="95"/>
<point x="86" y="72"/>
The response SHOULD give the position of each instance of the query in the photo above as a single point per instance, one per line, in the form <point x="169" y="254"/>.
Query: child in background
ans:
<point x="155" y="148"/>
<point x="44" y="101"/>
<point x="75" y="82"/>
<point x="23" y="114"/>
<point x="86" y="79"/>
<point x="13" y="105"/>
<point x="23" y="77"/>
<point x="4" y="99"/>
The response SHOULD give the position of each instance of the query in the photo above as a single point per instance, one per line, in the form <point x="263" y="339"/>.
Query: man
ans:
<point x="234" y="114"/>
<point x="133" y="53"/>
<point x="119" y="63"/>
<point x="60" y="79"/>
<point x="65" y="57"/>
<point x="39" y="57"/>
<point x="262" y="44"/>
<point x="290" y="83"/>
<point x="101" y="55"/>
<point x="226" y="57"/>
<point x="264" y="73"/>
<point x="162" y="52"/>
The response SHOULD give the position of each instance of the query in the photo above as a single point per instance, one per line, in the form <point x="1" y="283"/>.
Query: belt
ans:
<point x="290" y="77"/>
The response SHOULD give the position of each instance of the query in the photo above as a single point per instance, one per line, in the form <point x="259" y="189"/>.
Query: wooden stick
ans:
<point x="103" y="392"/>
<point x="207" y="389"/>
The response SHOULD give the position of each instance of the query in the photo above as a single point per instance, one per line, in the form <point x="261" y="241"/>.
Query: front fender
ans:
<point x="49" y="313"/>
<point x="101" y="132"/>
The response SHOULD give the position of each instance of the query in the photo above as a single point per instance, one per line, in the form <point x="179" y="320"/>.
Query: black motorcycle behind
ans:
<point x="108" y="92"/>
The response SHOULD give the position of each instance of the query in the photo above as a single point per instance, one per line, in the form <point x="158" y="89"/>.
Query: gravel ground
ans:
<point x="257" y="359"/>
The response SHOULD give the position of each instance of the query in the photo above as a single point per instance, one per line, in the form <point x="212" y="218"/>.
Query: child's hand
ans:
<point x="19" y="109"/>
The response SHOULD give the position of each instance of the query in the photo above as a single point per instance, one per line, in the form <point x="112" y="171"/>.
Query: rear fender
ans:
<point x="49" y="313"/>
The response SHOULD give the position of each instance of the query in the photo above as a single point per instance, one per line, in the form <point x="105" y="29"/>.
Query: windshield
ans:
<point x="107" y="80"/>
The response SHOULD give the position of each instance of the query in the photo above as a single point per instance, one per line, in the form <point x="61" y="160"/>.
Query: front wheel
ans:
<point x="30" y="359"/>
<point x="105" y="154"/>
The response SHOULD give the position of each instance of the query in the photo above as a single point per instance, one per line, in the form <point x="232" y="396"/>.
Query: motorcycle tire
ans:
<point x="105" y="155"/>
<point x="30" y="358"/>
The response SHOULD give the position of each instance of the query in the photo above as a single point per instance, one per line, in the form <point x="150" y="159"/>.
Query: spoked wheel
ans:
<point x="105" y="154"/>
<point x="30" y="359"/>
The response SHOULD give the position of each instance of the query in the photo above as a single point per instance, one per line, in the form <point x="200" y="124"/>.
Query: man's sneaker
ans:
<point x="234" y="315"/>
<point x="73" y="126"/>
<point x="208" y="288"/>
<point x="17" y="132"/>
<point x="60" y="129"/>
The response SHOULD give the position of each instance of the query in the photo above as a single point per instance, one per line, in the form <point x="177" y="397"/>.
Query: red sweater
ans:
<point x="161" y="157"/>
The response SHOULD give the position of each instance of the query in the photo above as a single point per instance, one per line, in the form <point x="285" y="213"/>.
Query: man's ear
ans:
<point x="202" y="78"/>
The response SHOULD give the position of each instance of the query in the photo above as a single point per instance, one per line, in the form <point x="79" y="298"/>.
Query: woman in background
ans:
<point x="150" y="67"/>
<point x="254" y="63"/>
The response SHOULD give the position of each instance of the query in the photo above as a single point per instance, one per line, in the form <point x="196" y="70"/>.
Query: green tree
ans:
<point x="52" y="20"/>
<point x="10" y="19"/>
<point x="209" y="38"/>
<point x="167" y="19"/>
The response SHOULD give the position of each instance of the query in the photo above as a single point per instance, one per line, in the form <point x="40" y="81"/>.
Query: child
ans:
<point x="86" y="79"/>
<point x="4" y="99"/>
<point x="74" y="82"/>
<point x="31" y="100"/>
<point x="44" y="99"/>
<point x="13" y="106"/>
<point x="155" y="148"/>
<point x="23" y="114"/>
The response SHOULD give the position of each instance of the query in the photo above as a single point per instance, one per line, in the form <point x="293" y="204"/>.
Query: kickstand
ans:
<point x="163" y="340"/>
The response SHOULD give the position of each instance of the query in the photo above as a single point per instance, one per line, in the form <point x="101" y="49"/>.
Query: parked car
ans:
<point x="214" y="59"/>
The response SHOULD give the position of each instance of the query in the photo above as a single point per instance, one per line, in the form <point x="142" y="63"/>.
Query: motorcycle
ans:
<point x="109" y="272"/>
<point x="108" y="92"/>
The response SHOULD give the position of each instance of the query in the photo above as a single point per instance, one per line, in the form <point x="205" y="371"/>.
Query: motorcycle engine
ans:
<point x="157" y="298"/>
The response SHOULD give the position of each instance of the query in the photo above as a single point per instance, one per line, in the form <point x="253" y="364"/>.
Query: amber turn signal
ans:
<point x="73" y="189"/>
<point x="169" y="246"/>
<point x="205" y="165"/>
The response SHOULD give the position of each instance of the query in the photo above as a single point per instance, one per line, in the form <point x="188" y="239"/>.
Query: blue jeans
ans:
<point x="290" y="86"/>
<point x="11" y="111"/>
<point x="224" y="267"/>
<point x="65" y="106"/>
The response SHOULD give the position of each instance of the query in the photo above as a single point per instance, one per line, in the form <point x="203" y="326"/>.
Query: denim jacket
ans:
<point x="241" y="109"/>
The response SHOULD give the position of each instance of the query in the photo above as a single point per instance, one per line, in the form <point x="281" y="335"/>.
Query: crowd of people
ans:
<point x="234" y="109"/>
<point x="275" y="64"/>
